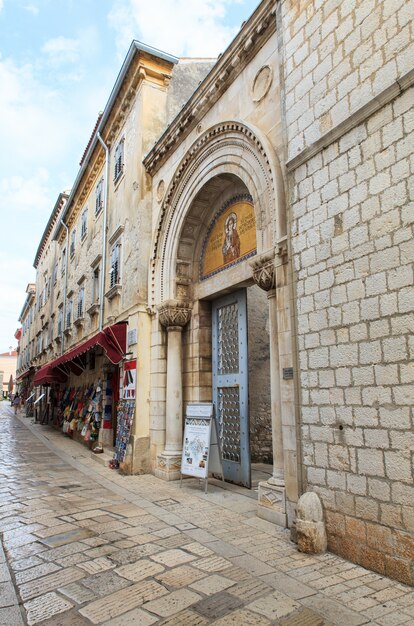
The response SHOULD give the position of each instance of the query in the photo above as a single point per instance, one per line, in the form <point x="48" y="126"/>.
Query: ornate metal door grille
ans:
<point x="230" y="381"/>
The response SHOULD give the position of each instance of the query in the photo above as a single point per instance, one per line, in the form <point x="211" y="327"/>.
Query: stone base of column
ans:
<point x="106" y="437"/>
<point x="168" y="467"/>
<point x="272" y="504"/>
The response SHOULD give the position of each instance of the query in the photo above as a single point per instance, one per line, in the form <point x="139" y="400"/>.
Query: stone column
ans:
<point x="173" y="315"/>
<point x="272" y="493"/>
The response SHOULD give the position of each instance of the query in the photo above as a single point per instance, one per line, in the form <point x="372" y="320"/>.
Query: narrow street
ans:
<point x="84" y="545"/>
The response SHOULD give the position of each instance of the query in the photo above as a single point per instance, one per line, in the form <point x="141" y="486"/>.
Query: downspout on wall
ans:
<point x="66" y="285"/>
<point x="105" y="209"/>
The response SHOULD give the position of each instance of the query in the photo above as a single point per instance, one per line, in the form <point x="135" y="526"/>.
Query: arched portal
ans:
<point x="220" y="226"/>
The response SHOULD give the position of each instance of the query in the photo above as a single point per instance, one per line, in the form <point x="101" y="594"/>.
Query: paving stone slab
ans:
<point x="249" y="590"/>
<point x="35" y="572"/>
<point x="139" y="570"/>
<point x="288" y="585"/>
<point x="137" y="617"/>
<point x="62" y="539"/>
<point x="212" y="584"/>
<point x="252" y="565"/>
<point x="213" y="564"/>
<point x="11" y="616"/>
<point x="123" y="557"/>
<point x="174" y="557"/>
<point x="51" y="581"/>
<point x="68" y="618"/>
<point x="181" y="576"/>
<point x="176" y="541"/>
<point x="77" y="593"/>
<point x="243" y="617"/>
<point x="54" y="530"/>
<point x="217" y="605"/>
<point x="105" y="583"/>
<point x="223" y="548"/>
<point x="7" y="594"/>
<point x="123" y="601"/>
<point x="44" y="607"/>
<point x="198" y="549"/>
<point x="185" y="618"/>
<point x="274" y="605"/>
<point x="304" y="617"/>
<point x="333" y="611"/>
<point x="4" y="573"/>
<point x="101" y="564"/>
<point x="172" y="603"/>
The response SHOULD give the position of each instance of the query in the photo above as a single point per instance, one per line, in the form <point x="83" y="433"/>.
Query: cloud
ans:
<point x="62" y="50"/>
<point x="23" y="195"/>
<point x="1" y="4"/>
<point x="31" y="8"/>
<point x="183" y="28"/>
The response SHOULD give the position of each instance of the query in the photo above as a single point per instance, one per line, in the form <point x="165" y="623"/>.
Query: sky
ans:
<point x="58" y="62"/>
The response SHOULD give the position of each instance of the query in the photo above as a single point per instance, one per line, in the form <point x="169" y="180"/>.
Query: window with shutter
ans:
<point x="72" y="243"/>
<point x="84" y="224"/>
<point x="115" y="265"/>
<point x="68" y="313"/>
<point x="99" y="197"/>
<point x="80" y="302"/>
<point x="119" y="160"/>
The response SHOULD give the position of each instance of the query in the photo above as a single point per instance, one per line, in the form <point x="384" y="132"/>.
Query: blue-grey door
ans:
<point x="230" y="385"/>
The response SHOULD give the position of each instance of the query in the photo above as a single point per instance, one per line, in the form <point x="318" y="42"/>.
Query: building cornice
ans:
<point x="141" y="63"/>
<point x="252" y="36"/>
<point x="60" y="203"/>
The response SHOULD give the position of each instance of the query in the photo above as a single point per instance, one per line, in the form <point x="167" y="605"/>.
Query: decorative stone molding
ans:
<point x="174" y="313"/>
<point x="251" y="38"/>
<point x="264" y="271"/>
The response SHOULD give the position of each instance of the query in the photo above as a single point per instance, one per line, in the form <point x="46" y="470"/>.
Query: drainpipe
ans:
<point x="105" y="209"/>
<point x="66" y="285"/>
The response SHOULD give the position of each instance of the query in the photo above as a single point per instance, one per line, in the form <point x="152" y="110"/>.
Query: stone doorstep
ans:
<point x="103" y="458"/>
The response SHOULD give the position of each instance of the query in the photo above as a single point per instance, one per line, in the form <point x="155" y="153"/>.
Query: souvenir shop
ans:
<point x="89" y="393"/>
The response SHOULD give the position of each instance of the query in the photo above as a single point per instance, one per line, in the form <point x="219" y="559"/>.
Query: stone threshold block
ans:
<point x="271" y="504"/>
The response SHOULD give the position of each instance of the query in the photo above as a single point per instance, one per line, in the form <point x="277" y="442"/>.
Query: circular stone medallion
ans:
<point x="160" y="190"/>
<point x="262" y="82"/>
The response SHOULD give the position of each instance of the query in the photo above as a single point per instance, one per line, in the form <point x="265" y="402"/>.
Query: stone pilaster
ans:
<point x="272" y="493"/>
<point x="173" y="315"/>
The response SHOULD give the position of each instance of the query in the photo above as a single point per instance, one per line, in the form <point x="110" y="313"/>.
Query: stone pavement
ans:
<point x="87" y="546"/>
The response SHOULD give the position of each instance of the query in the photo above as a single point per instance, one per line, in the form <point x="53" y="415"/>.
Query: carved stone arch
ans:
<point x="230" y="148"/>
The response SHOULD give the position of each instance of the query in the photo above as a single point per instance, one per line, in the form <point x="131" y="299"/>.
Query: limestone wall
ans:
<point x="352" y="246"/>
<point x="337" y="57"/>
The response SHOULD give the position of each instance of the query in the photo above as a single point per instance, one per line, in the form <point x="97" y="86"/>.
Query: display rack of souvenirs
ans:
<point x="82" y="411"/>
<point x="125" y="416"/>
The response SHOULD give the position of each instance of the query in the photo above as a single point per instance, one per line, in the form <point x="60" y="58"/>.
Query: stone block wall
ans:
<point x="353" y="253"/>
<point x="337" y="56"/>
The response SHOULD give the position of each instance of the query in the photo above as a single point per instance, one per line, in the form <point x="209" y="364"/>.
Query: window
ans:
<point x="95" y="285"/>
<point x="63" y="266"/>
<point x="68" y="313"/>
<point x="72" y="243"/>
<point x="84" y="224"/>
<point x="55" y="273"/>
<point x="115" y="270"/>
<point x="60" y="322"/>
<point x="81" y="299"/>
<point x="99" y="197"/>
<point x="119" y="160"/>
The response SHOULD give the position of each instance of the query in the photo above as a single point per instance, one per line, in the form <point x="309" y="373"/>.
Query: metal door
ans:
<point x="230" y="385"/>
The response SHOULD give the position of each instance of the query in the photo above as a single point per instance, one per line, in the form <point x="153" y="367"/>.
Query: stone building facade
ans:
<point x="349" y="71"/>
<point x="265" y="246"/>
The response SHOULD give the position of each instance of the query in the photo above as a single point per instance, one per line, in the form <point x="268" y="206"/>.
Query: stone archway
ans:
<point x="229" y="149"/>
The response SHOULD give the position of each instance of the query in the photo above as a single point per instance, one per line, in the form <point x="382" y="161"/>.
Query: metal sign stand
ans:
<point x="201" y="416"/>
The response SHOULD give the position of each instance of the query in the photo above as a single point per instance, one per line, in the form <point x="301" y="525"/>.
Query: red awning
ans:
<point x="111" y="339"/>
<point x="25" y="375"/>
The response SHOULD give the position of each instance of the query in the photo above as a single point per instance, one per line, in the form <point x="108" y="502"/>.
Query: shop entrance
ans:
<point x="230" y="385"/>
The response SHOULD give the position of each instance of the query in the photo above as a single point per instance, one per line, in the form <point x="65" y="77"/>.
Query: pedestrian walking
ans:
<point x="16" y="403"/>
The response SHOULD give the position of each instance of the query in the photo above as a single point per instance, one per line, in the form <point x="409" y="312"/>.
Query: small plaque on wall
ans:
<point x="287" y="373"/>
<point x="132" y="337"/>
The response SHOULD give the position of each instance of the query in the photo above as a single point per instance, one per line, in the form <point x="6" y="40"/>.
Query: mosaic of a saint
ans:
<point x="231" y="245"/>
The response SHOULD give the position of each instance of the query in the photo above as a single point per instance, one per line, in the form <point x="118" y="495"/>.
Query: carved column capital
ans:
<point x="264" y="271"/>
<point x="174" y="314"/>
